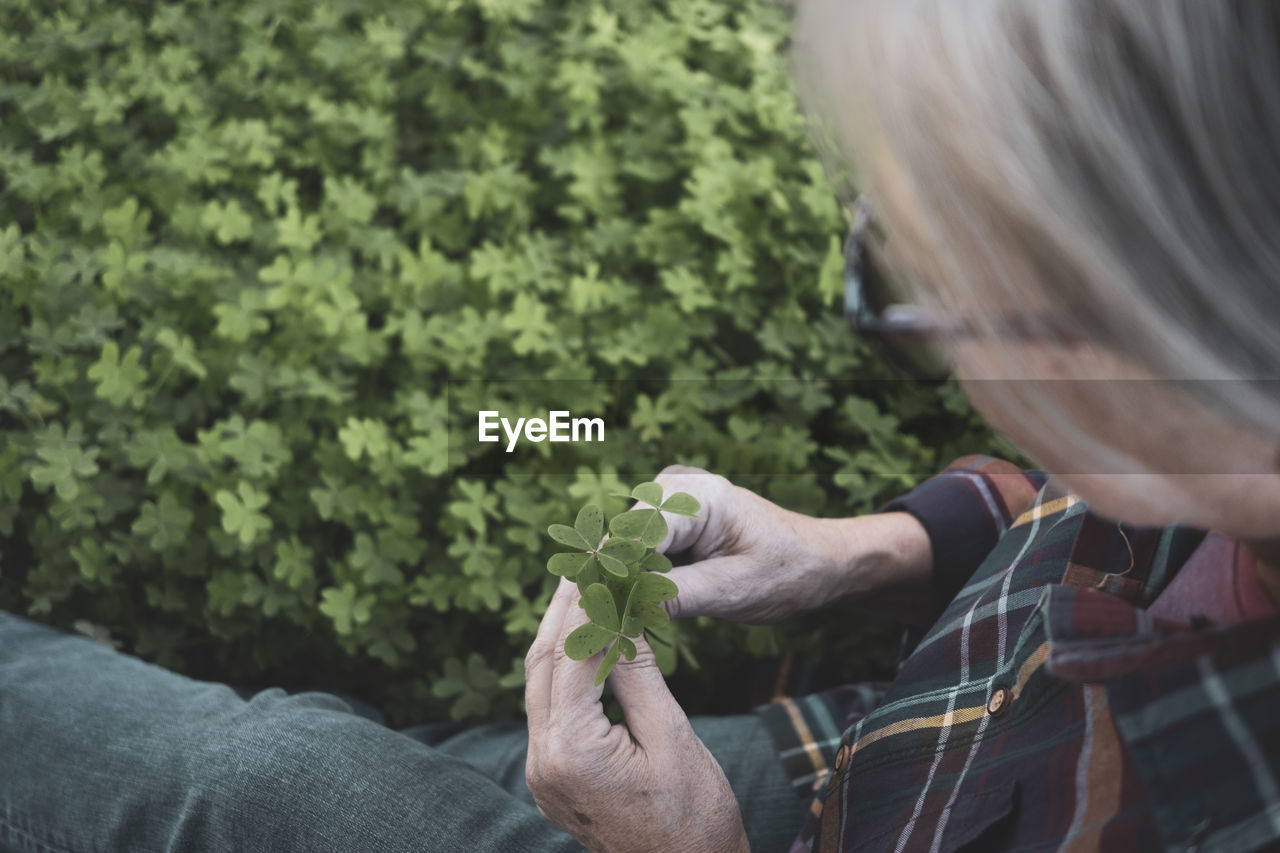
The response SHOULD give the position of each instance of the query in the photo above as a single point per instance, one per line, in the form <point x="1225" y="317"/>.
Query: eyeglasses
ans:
<point x="910" y="336"/>
<point x="907" y="334"/>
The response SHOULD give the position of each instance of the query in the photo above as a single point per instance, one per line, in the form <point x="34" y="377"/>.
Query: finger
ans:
<point x="712" y="587"/>
<point x="540" y="660"/>
<point x="683" y="531"/>
<point x="574" y="695"/>
<point x="654" y="717"/>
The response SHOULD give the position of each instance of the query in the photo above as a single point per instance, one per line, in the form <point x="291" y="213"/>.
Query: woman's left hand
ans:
<point x="647" y="785"/>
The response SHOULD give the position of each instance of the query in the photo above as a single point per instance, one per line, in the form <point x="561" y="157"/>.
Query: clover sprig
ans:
<point x="617" y="577"/>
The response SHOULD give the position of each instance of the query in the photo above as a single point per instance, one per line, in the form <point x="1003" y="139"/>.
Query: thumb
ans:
<point x="654" y="717"/>
<point x="712" y="587"/>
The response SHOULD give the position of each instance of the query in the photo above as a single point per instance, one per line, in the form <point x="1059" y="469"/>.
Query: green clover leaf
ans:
<point x="650" y="493"/>
<point x="625" y="550"/>
<point x="647" y="525"/>
<point x="346" y="607"/>
<point x="119" y="379"/>
<point x="566" y="535"/>
<point x="613" y="566"/>
<point x="655" y="562"/>
<point x="607" y="663"/>
<point x="600" y="606"/>
<point x="587" y="640"/>
<point x="240" y="512"/>
<point x="681" y="504"/>
<point x="568" y="565"/>
<point x="651" y="587"/>
<point x="590" y="523"/>
<point x="642" y="615"/>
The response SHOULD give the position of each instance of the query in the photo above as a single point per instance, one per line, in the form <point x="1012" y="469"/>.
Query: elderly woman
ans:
<point x="1080" y="197"/>
<point x="1076" y="198"/>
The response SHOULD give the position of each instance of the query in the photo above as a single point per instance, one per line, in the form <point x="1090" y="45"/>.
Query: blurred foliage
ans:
<point x="258" y="258"/>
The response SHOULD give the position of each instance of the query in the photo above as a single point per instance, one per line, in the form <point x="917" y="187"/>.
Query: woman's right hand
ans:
<point x="753" y="561"/>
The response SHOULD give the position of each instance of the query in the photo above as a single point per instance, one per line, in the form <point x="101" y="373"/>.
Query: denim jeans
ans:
<point x="100" y="751"/>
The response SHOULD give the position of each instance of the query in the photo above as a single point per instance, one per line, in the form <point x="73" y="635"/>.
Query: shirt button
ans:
<point x="999" y="702"/>
<point x="842" y="758"/>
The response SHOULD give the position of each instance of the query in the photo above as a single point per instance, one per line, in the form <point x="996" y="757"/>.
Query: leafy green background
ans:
<point x="258" y="258"/>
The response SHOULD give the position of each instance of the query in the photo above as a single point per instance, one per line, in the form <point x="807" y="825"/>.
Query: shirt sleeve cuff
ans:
<point x="964" y="510"/>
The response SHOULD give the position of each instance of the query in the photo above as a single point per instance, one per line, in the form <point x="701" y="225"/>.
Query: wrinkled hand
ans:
<point x="647" y="786"/>
<point x="753" y="561"/>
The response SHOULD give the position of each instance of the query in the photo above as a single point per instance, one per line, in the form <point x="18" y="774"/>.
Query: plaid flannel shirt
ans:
<point x="1045" y="709"/>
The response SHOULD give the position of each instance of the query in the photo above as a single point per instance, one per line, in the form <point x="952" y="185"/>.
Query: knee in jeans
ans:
<point x="285" y="758"/>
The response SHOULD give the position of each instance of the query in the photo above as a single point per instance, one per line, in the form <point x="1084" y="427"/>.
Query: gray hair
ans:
<point x="1110" y="163"/>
